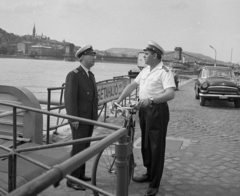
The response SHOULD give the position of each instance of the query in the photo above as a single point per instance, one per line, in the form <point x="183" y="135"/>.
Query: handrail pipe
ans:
<point x="58" y="172"/>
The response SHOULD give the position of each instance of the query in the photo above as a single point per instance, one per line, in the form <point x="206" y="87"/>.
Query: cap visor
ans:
<point x="147" y="49"/>
<point x="91" y="52"/>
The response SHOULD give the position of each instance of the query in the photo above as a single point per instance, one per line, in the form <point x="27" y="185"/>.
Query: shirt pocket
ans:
<point x="143" y="80"/>
<point x="154" y="83"/>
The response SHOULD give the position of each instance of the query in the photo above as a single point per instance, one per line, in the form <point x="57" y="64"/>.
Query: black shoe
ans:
<point x="85" y="178"/>
<point x="143" y="178"/>
<point x="75" y="186"/>
<point x="151" y="192"/>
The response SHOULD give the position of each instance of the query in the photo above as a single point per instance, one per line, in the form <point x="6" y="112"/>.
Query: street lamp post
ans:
<point x="215" y="55"/>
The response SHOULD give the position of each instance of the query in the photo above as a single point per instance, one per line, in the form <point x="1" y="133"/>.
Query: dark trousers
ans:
<point x="82" y="131"/>
<point x="176" y="83"/>
<point x="153" y="122"/>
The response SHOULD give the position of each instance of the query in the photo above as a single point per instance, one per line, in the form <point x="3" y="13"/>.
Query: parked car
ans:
<point x="217" y="83"/>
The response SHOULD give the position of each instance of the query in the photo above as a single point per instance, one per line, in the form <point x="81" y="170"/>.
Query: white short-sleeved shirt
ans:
<point x="151" y="83"/>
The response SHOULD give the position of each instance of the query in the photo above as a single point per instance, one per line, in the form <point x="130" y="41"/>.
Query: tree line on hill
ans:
<point x="9" y="41"/>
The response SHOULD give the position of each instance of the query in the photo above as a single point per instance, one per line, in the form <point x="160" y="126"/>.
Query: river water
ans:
<point x="38" y="75"/>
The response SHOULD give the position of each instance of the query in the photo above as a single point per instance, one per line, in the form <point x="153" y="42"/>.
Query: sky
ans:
<point x="192" y="25"/>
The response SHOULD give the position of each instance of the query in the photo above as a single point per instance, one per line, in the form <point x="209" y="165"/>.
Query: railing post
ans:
<point x="48" y="116"/>
<point x="59" y="110"/>
<point x="12" y="159"/>
<point x="105" y="111"/>
<point x="130" y="96"/>
<point x="10" y="173"/>
<point x="122" y="167"/>
<point x="14" y="127"/>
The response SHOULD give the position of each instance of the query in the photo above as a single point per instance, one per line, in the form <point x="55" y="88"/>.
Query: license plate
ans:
<point x="223" y="97"/>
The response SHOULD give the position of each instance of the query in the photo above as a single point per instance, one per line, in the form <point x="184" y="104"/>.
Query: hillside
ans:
<point x="134" y="52"/>
<point x="8" y="38"/>
<point x="124" y="51"/>
<point x="8" y="42"/>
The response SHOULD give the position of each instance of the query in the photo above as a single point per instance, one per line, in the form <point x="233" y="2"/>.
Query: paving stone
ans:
<point x="228" y="164"/>
<point x="226" y="159"/>
<point x="235" y="191"/>
<point x="170" y="167"/>
<point x="209" y="193"/>
<point x="212" y="180"/>
<point x="179" y="193"/>
<point x="234" y="171"/>
<point x="182" y="187"/>
<point x="189" y="170"/>
<point x="168" y="188"/>
<point x="228" y="180"/>
<point x="173" y="182"/>
<point x="205" y="171"/>
<point x="222" y="167"/>
<point x="214" y="175"/>
<point x="187" y="175"/>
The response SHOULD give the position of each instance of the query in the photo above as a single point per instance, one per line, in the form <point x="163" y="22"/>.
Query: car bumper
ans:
<point x="220" y="96"/>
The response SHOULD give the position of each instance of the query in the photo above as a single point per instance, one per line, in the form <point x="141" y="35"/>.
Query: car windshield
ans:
<point x="217" y="73"/>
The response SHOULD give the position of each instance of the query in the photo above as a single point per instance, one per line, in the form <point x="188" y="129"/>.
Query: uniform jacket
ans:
<point x="81" y="97"/>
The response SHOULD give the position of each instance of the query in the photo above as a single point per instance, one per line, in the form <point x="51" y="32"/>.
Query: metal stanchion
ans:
<point x="48" y="116"/>
<point x="122" y="167"/>
<point x="12" y="159"/>
<point x="105" y="111"/>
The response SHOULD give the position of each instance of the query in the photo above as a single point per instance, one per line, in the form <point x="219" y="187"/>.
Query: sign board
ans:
<point x="141" y="60"/>
<point x="111" y="90"/>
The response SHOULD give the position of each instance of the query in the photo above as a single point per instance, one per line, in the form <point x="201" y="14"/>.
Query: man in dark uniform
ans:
<point x="81" y="100"/>
<point x="156" y="87"/>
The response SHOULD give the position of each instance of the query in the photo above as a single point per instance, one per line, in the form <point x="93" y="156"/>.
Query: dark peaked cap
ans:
<point x="153" y="46"/>
<point x="87" y="49"/>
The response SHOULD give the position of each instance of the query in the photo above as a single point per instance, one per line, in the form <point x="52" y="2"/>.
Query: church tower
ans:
<point x="34" y="31"/>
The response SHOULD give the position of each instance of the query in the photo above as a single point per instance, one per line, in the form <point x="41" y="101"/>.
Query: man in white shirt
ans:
<point x="156" y="87"/>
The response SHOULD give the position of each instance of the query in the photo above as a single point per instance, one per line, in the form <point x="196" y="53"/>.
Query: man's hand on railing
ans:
<point x="113" y="107"/>
<point x="116" y="109"/>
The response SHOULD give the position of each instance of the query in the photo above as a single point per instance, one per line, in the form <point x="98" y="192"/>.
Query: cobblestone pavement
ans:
<point x="208" y="165"/>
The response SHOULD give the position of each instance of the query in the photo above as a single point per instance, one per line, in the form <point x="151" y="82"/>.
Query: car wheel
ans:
<point x="202" y="101"/>
<point x="237" y="103"/>
<point x="196" y="94"/>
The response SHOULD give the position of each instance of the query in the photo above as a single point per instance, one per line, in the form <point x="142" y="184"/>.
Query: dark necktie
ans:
<point x="90" y="77"/>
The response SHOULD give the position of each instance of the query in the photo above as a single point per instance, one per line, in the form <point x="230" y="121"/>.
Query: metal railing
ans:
<point x="56" y="173"/>
<point x="60" y="105"/>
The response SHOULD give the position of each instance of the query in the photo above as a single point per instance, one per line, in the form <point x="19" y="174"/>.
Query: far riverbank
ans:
<point x="100" y="59"/>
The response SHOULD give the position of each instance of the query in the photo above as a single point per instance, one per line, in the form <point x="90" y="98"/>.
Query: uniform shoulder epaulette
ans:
<point x="75" y="70"/>
<point x="165" y="68"/>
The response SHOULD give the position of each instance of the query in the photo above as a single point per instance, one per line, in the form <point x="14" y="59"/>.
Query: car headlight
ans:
<point x="238" y="85"/>
<point x="205" y="85"/>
